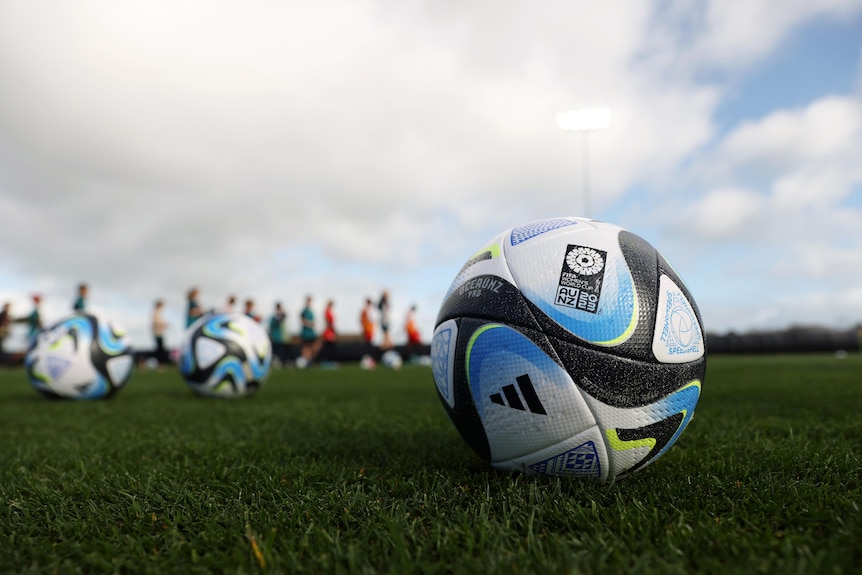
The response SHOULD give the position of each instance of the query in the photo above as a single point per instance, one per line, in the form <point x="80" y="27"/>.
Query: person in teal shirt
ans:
<point x="193" y="308"/>
<point x="80" y="304"/>
<point x="34" y="320"/>
<point x="276" y="333"/>
<point x="307" y="335"/>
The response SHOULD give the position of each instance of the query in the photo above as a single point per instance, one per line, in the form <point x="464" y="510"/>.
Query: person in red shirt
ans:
<point x="367" y="321"/>
<point x="414" y="340"/>
<point x="327" y="353"/>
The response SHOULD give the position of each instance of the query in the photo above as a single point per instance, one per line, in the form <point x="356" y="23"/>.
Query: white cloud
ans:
<point x="723" y="214"/>
<point x="734" y="34"/>
<point x="258" y="148"/>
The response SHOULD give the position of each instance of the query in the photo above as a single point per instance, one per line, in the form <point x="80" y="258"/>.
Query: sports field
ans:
<point x="357" y="471"/>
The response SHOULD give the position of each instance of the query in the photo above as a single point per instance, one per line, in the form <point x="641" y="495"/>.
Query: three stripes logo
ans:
<point x="510" y="397"/>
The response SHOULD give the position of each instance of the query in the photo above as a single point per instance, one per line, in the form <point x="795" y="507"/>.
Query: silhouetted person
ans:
<point x="34" y="320"/>
<point x="307" y="335"/>
<point x="5" y="326"/>
<point x="276" y="333"/>
<point x="414" y="340"/>
<point x="327" y="353"/>
<point x="159" y="327"/>
<point x="383" y="306"/>
<point x="193" y="306"/>
<point x="367" y="321"/>
<point x="248" y="310"/>
<point x="80" y="303"/>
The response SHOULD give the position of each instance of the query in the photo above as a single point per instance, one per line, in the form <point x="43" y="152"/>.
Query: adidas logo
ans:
<point x="513" y="400"/>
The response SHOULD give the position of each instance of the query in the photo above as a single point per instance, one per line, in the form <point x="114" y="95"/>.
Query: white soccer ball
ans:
<point x="367" y="362"/>
<point x="391" y="359"/>
<point x="569" y="347"/>
<point x="225" y="355"/>
<point x="80" y="357"/>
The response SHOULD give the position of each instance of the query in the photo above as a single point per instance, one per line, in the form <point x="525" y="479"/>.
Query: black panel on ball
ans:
<point x="624" y="382"/>
<point x="642" y="260"/>
<point x="464" y="415"/>
<point x="99" y="358"/>
<point x="489" y="297"/>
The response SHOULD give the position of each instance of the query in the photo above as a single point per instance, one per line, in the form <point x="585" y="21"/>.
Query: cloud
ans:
<point x="788" y="249"/>
<point x="276" y="147"/>
<point x="729" y="35"/>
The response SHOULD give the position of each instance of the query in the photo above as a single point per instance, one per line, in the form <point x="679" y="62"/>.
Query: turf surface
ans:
<point x="355" y="471"/>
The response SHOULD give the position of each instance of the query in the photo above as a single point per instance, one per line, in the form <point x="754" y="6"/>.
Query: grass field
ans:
<point x="355" y="471"/>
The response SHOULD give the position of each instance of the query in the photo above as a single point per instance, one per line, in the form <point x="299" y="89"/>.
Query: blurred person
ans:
<point x="366" y="319"/>
<point x="193" y="307"/>
<point x="276" y="333"/>
<point x="248" y="310"/>
<point x="5" y="326"/>
<point x="383" y="307"/>
<point x="327" y="353"/>
<point x="80" y="303"/>
<point x="414" y="340"/>
<point x="307" y="335"/>
<point x="33" y="320"/>
<point x="230" y="304"/>
<point x="159" y="327"/>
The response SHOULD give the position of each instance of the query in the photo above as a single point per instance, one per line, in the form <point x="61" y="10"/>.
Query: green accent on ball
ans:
<point x="472" y="341"/>
<point x="493" y="249"/>
<point x="633" y="323"/>
<point x="221" y="385"/>
<point x="40" y="377"/>
<point x="59" y="342"/>
<point x="619" y="445"/>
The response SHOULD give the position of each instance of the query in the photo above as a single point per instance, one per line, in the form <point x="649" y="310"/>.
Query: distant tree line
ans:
<point x="797" y="339"/>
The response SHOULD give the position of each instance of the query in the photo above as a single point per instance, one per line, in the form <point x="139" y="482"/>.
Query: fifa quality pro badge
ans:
<point x="581" y="278"/>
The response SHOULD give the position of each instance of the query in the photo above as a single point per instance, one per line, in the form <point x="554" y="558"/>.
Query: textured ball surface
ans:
<point x="569" y="347"/>
<point x="80" y="357"/>
<point x="225" y="355"/>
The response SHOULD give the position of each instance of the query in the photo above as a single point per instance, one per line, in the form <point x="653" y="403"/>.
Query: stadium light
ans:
<point x="584" y="121"/>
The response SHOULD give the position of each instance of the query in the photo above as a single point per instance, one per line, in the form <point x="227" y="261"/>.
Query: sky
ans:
<point x="273" y="149"/>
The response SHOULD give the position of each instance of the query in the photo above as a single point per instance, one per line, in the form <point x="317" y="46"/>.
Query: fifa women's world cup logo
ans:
<point x="580" y="285"/>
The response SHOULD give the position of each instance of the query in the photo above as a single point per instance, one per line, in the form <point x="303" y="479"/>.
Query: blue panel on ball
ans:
<point x="533" y="229"/>
<point x="581" y="461"/>
<point x="682" y="401"/>
<point x="229" y="367"/>
<point x="218" y="326"/>
<point x="498" y="354"/>
<point x="259" y="366"/>
<point x="96" y="390"/>
<point x="81" y="329"/>
<point x="111" y="344"/>
<point x="441" y="347"/>
<point x="615" y="323"/>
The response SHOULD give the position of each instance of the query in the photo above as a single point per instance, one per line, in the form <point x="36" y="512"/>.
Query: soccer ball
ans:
<point x="80" y="357"/>
<point x="225" y="355"/>
<point x="569" y="347"/>
<point x="391" y="359"/>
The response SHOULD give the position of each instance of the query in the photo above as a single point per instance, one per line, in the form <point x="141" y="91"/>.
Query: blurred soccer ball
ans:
<point x="225" y="355"/>
<point x="569" y="347"/>
<point x="367" y="362"/>
<point x="80" y="357"/>
<point x="391" y="359"/>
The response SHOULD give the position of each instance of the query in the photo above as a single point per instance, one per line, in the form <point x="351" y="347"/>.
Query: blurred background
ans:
<point x="276" y="149"/>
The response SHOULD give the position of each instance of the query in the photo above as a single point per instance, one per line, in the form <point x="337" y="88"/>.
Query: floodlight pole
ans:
<point x="585" y="172"/>
<point x="584" y="121"/>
